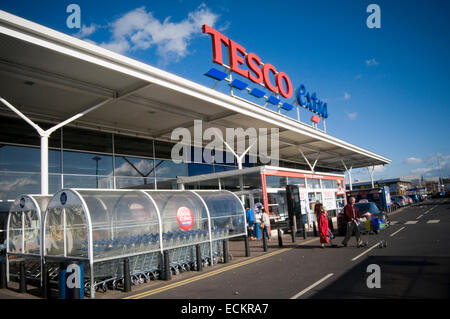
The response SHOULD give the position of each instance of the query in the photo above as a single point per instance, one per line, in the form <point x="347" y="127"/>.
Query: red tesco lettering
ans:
<point x="259" y="73"/>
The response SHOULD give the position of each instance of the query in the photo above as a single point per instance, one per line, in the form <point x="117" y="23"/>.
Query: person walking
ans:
<point x="258" y="217"/>
<point x="250" y="215"/>
<point x="351" y="215"/>
<point x="266" y="221"/>
<point x="322" y="223"/>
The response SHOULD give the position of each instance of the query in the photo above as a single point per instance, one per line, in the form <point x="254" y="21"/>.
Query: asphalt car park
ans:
<point x="415" y="264"/>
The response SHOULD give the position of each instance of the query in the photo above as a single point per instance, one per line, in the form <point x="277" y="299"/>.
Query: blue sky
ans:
<point x="387" y="89"/>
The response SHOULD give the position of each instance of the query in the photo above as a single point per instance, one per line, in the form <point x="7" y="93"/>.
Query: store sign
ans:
<point x="185" y="218"/>
<point x="259" y="73"/>
<point x="340" y="190"/>
<point x="329" y="200"/>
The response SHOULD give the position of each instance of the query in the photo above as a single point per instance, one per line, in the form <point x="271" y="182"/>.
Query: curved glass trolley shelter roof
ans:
<point x="24" y="224"/>
<point x="101" y="225"/>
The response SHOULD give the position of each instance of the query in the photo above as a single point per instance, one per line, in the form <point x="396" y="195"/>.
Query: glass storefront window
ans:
<point x="275" y="181"/>
<point x="135" y="167"/>
<point x="130" y="182"/>
<point x="87" y="163"/>
<point x="198" y="169"/>
<point x="312" y="198"/>
<point x="27" y="159"/>
<point x="222" y="168"/>
<point x="13" y="184"/>
<point x="313" y="183"/>
<point x="86" y="140"/>
<point x="133" y="146"/>
<point x="253" y="181"/>
<point x="88" y="181"/>
<point x="169" y="169"/>
<point x="327" y="183"/>
<point x="15" y="130"/>
<point x="230" y="183"/>
<point x="296" y="181"/>
<point x="163" y="149"/>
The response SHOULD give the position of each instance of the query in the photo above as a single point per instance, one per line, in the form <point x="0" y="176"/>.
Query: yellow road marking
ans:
<point x="213" y="273"/>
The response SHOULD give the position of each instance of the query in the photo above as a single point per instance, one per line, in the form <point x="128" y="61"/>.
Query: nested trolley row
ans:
<point x="101" y="227"/>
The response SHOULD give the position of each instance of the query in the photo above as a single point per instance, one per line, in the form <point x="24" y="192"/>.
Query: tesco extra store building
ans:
<point x="76" y="115"/>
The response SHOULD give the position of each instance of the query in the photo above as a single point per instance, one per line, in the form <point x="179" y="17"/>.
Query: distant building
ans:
<point x="397" y="186"/>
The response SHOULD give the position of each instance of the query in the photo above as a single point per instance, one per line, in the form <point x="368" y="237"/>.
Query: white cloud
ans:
<point x="413" y="160"/>
<point x="86" y="31"/>
<point x="372" y="62"/>
<point x="438" y="165"/>
<point x="438" y="157"/>
<point x="224" y="27"/>
<point x="143" y="168"/>
<point x="352" y="116"/>
<point x="379" y="168"/>
<point x="344" y="97"/>
<point x="120" y="46"/>
<point x="8" y="186"/>
<point x="140" y="30"/>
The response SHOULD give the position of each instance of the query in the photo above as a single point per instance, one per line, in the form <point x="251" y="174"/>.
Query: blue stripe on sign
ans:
<point x="238" y="84"/>
<point x="216" y="74"/>
<point x="257" y="93"/>
<point x="273" y="100"/>
<point x="287" y="106"/>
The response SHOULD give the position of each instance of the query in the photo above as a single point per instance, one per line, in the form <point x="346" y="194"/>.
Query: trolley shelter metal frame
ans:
<point x="77" y="219"/>
<point x="24" y="228"/>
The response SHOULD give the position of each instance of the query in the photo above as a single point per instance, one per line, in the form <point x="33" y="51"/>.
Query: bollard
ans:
<point x="22" y="279"/>
<point x="247" y="246"/>
<point x="280" y="238"/>
<point x="62" y="291"/>
<point x="314" y="229"/>
<point x="126" y="275"/>
<point x="166" y="264"/>
<point x="264" y="238"/>
<point x="225" y="251"/>
<point x="2" y="273"/>
<point x="45" y="288"/>
<point x="198" y="252"/>
<point x="293" y="228"/>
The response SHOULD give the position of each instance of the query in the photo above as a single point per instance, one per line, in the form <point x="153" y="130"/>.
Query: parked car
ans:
<point x="367" y="210"/>
<point x="409" y="200"/>
<point x="415" y="198"/>
<point x="399" y="201"/>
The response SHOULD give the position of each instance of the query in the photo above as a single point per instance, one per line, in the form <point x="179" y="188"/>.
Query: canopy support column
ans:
<point x="371" y="170"/>
<point x="239" y="159"/>
<point x="307" y="161"/>
<point x="44" y="164"/>
<point x="349" y="172"/>
<point x="45" y="135"/>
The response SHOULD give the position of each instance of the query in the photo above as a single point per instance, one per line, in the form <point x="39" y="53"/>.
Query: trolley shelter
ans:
<point x="24" y="233"/>
<point x="99" y="228"/>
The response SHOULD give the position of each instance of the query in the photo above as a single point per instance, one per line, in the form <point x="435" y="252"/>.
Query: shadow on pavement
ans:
<point x="401" y="277"/>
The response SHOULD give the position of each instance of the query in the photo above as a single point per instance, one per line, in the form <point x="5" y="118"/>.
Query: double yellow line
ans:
<point x="212" y="273"/>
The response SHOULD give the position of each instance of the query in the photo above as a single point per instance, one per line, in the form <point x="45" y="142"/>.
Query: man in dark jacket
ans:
<point x="351" y="215"/>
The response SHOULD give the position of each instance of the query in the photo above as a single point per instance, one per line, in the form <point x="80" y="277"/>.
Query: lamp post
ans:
<point x="96" y="159"/>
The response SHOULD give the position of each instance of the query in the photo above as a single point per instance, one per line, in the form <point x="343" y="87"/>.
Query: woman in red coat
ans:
<point x="322" y="222"/>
